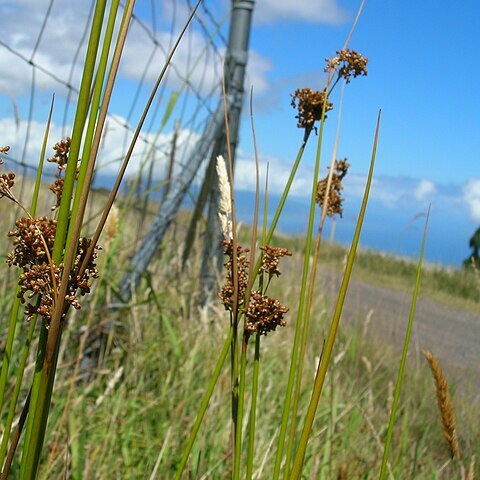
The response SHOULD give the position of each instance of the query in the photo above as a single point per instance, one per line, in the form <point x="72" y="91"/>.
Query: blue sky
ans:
<point x="423" y="74"/>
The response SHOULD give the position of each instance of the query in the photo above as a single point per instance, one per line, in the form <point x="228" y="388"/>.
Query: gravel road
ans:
<point x="451" y="334"/>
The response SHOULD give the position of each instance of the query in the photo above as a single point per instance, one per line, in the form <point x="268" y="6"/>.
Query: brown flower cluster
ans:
<point x="310" y="105"/>
<point x="7" y="180"/>
<point x="347" y="63"/>
<point x="30" y="238"/>
<point x="264" y="314"/>
<point x="227" y="291"/>
<point x="335" y="199"/>
<point x="62" y="149"/>
<point x="271" y="257"/>
<point x="41" y="277"/>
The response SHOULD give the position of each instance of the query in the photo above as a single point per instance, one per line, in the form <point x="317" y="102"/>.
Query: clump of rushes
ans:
<point x="261" y="313"/>
<point x="335" y="200"/>
<point x="33" y="241"/>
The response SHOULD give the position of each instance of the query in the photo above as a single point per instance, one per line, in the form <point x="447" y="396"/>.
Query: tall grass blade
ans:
<point x="204" y="404"/>
<point x="298" y="327"/>
<point x="322" y="368"/>
<point x="401" y="369"/>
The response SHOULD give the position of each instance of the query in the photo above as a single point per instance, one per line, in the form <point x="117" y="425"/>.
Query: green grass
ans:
<point x="134" y="381"/>
<point x="161" y="387"/>
<point x="167" y="350"/>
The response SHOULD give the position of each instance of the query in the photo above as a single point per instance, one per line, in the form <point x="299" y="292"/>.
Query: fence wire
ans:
<point x="196" y="99"/>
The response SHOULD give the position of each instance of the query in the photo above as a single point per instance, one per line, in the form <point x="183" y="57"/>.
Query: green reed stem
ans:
<point x="43" y="382"/>
<point x="253" y="408"/>
<point x="311" y="289"/>
<point x="403" y="360"/>
<point x="204" y="405"/>
<point x="240" y="409"/>
<point x="256" y="359"/>
<point x="17" y="388"/>
<point x="228" y="341"/>
<point x="322" y="369"/>
<point x="94" y="110"/>
<point x="299" y="323"/>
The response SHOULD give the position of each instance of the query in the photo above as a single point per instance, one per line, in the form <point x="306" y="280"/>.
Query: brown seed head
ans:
<point x="264" y="314"/>
<point x="310" y="106"/>
<point x="62" y="149"/>
<point x="227" y="292"/>
<point x="445" y="405"/>
<point x="347" y="63"/>
<point x="271" y="257"/>
<point x="335" y="199"/>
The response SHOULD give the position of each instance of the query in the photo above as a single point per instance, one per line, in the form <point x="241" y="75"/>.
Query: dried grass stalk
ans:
<point x="445" y="405"/>
<point x="111" y="225"/>
<point x="225" y="205"/>
<point x="471" y="469"/>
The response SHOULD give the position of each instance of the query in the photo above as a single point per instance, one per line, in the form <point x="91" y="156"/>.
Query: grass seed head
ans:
<point x="225" y="205"/>
<point x="112" y="224"/>
<point x="445" y="405"/>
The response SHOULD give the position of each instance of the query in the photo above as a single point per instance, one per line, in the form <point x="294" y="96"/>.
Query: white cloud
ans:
<point x="424" y="190"/>
<point x="471" y="197"/>
<point x="324" y="11"/>
<point x="62" y="36"/>
<point x="112" y="149"/>
<point x="57" y="48"/>
<point x="391" y="192"/>
<point x="278" y="173"/>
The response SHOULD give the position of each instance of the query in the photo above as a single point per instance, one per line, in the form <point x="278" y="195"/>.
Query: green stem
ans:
<point x="16" y="391"/>
<point x="403" y="361"/>
<point x="253" y="410"/>
<point x="94" y="109"/>
<point x="299" y="323"/>
<point x="43" y="381"/>
<point x="322" y="369"/>
<point x="267" y="237"/>
<point x="241" y="403"/>
<point x="78" y="128"/>
<point x="204" y="405"/>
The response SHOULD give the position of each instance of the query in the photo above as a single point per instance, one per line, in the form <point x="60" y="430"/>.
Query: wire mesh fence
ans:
<point x="41" y="54"/>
